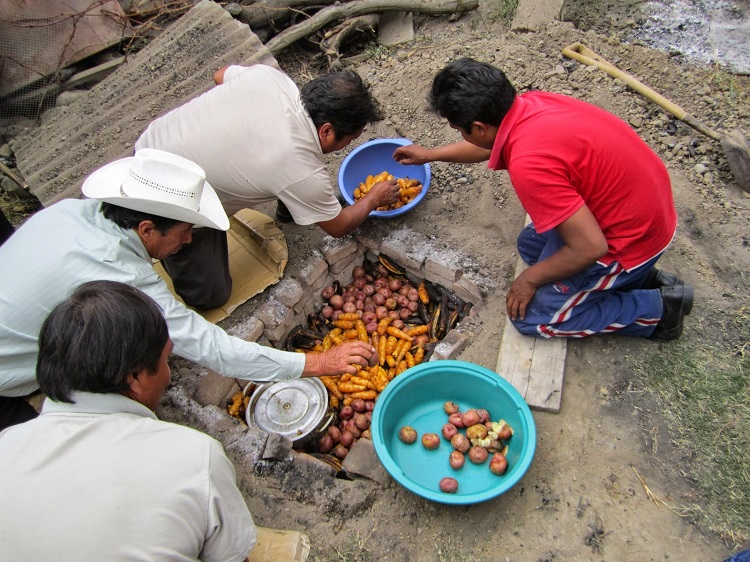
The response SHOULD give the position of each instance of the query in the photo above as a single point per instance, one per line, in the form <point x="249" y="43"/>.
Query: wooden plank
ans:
<point x="534" y="366"/>
<point x="93" y="74"/>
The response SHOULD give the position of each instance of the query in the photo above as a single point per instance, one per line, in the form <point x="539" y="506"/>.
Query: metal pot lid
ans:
<point x="292" y="409"/>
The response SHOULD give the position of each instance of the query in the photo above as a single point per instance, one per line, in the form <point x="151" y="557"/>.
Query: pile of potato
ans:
<point x="408" y="189"/>
<point x="381" y="309"/>
<point x="481" y="438"/>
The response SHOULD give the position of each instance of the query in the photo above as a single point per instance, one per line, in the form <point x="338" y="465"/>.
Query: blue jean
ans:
<point x="598" y="300"/>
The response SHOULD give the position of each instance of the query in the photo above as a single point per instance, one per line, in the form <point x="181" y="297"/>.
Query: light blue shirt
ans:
<point x="70" y="243"/>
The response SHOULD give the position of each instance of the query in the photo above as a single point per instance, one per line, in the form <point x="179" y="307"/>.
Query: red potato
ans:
<point x="460" y="443"/>
<point x="390" y="303"/>
<point x="385" y="291"/>
<point x="380" y="282"/>
<point x="505" y="433"/>
<point x="407" y="434"/>
<point x="336" y="301"/>
<point x="394" y="314"/>
<point x="326" y="312"/>
<point x="449" y="430"/>
<point x="358" y="405"/>
<point x="404" y="290"/>
<point x="431" y="441"/>
<point x="346" y="413"/>
<point x="349" y="297"/>
<point x="470" y="417"/>
<point x="413" y="295"/>
<point x="368" y="290"/>
<point x="368" y="317"/>
<point x="366" y="434"/>
<point x="484" y="415"/>
<point x="359" y="282"/>
<point x="369" y="405"/>
<point x="369" y="305"/>
<point x="402" y="301"/>
<point x="358" y="272"/>
<point x="361" y="421"/>
<point x="371" y="327"/>
<point x="326" y="444"/>
<point x="394" y="285"/>
<point x="359" y="305"/>
<point x="327" y="292"/>
<point x="398" y="323"/>
<point x="378" y="299"/>
<point x="335" y="315"/>
<point x="340" y="452"/>
<point x="346" y="439"/>
<point x="422" y="339"/>
<point x="498" y="464"/>
<point x="449" y="485"/>
<point x="456" y="419"/>
<point x="349" y="307"/>
<point x="413" y="306"/>
<point x="404" y="313"/>
<point x="450" y="407"/>
<point x="478" y="455"/>
<point x="351" y="427"/>
<point x="456" y="459"/>
<point x="381" y="312"/>
<point x="369" y="416"/>
<point x="335" y="433"/>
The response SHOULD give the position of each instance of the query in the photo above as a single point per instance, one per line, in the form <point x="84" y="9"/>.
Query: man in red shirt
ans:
<point x="599" y="198"/>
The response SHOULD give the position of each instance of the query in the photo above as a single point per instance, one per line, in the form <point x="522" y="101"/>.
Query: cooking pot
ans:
<point x="296" y="409"/>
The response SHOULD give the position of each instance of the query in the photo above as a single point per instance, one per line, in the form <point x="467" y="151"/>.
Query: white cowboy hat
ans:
<point x="159" y="183"/>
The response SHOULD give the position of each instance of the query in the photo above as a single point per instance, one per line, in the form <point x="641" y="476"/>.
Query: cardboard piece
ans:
<point x="280" y="546"/>
<point x="257" y="258"/>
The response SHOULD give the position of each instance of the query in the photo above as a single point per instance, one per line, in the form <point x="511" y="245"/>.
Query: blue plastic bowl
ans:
<point x="374" y="157"/>
<point x="416" y="398"/>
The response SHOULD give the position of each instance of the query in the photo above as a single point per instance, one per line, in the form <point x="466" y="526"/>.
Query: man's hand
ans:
<point x="383" y="193"/>
<point x="340" y="359"/>
<point x="411" y="154"/>
<point x="519" y="296"/>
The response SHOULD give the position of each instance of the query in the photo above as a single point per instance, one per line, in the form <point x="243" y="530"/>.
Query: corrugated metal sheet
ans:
<point x="103" y="125"/>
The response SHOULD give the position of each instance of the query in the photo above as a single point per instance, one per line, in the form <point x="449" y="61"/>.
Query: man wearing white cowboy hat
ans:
<point x="141" y="207"/>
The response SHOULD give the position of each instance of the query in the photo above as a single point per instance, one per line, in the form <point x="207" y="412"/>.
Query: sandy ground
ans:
<point x="582" y="498"/>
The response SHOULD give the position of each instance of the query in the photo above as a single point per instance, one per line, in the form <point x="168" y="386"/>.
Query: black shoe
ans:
<point x="283" y="214"/>
<point x="678" y="302"/>
<point x="659" y="278"/>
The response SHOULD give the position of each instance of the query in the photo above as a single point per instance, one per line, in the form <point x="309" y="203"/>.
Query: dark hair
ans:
<point x="341" y="99"/>
<point x="90" y="342"/>
<point x="130" y="219"/>
<point x="467" y="90"/>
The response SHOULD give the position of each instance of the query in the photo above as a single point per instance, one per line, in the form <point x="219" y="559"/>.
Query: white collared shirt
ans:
<point x="104" y="479"/>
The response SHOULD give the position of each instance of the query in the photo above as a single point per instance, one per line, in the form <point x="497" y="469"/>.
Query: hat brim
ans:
<point x="104" y="184"/>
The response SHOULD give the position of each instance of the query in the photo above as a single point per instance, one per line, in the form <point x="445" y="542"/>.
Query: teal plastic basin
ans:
<point x="416" y="398"/>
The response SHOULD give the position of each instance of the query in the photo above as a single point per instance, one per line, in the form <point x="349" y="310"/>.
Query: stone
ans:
<point x="312" y="269"/>
<point x="362" y="461"/>
<point x="277" y="334"/>
<point x="444" y="264"/>
<point x="277" y="447"/>
<point x="408" y="248"/>
<point x="214" y="388"/>
<point x="342" y="265"/>
<point x="249" y="329"/>
<point x="271" y="313"/>
<point x="450" y="346"/>
<point x="287" y="291"/>
<point x="337" y="249"/>
<point x="467" y="290"/>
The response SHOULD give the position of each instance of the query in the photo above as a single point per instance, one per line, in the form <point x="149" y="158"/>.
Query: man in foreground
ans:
<point x="261" y="139"/>
<point x="107" y="480"/>
<point x="599" y="198"/>
<point x="142" y="208"/>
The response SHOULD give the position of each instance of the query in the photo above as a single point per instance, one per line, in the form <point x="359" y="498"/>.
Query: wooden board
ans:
<point x="534" y="366"/>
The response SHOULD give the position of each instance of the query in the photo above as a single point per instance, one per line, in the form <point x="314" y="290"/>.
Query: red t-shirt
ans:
<point x="562" y="153"/>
